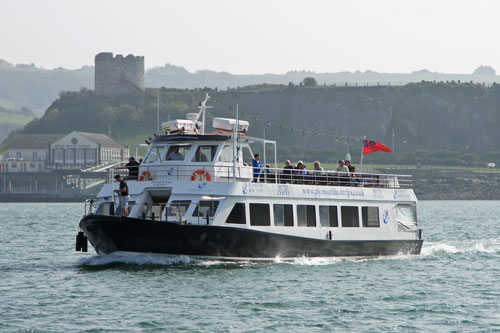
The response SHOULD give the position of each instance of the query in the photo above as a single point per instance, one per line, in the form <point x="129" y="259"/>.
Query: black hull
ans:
<point x="109" y="234"/>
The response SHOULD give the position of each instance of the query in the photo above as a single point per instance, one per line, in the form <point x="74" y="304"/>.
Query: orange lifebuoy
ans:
<point x="146" y="175"/>
<point x="201" y="175"/>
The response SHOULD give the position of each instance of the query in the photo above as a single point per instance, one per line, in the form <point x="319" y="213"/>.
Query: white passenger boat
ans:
<point x="208" y="204"/>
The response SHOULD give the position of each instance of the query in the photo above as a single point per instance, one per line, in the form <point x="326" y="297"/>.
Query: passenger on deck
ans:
<point x="287" y="172"/>
<point x="354" y="177"/>
<point x="319" y="173"/>
<point x="342" y="173"/>
<point x="257" y="167"/>
<point x="300" y="172"/>
<point x="133" y="168"/>
<point x="124" y="197"/>
<point x="175" y="155"/>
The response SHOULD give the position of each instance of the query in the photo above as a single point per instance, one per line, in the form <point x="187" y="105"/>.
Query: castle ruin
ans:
<point x="118" y="75"/>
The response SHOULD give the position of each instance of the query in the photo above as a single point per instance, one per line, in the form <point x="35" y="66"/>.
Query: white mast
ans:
<point x="202" y="107"/>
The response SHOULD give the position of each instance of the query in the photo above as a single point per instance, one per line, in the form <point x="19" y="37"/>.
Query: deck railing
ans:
<point x="265" y="175"/>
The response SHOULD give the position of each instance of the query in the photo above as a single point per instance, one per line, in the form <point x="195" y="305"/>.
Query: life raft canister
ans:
<point x="146" y="176"/>
<point x="201" y="175"/>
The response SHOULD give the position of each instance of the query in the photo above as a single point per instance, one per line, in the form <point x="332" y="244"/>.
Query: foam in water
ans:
<point x="134" y="259"/>
<point x="431" y="249"/>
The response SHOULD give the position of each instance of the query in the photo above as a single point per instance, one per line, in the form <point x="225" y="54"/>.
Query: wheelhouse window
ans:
<point x="154" y="155"/>
<point x="283" y="215"/>
<point x="237" y="215"/>
<point x="206" y="207"/>
<point x="328" y="216"/>
<point x="370" y="217"/>
<point x="226" y="155"/>
<point x="306" y="215"/>
<point x="205" y="153"/>
<point x="350" y="216"/>
<point x="259" y="214"/>
<point x="178" y="207"/>
<point x="177" y="152"/>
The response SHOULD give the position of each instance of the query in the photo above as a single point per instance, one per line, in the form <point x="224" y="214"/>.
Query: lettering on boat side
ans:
<point x="252" y="188"/>
<point x="283" y="190"/>
<point x="202" y="185"/>
<point x="377" y="194"/>
<point x="385" y="216"/>
<point x="244" y="188"/>
<point x="318" y="192"/>
<point x="401" y="195"/>
<point x="161" y="183"/>
<point x="170" y="171"/>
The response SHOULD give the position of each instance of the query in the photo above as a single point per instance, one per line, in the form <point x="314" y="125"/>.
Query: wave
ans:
<point x="432" y="249"/>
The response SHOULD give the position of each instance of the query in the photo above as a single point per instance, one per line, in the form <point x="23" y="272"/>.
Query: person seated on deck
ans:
<point x="342" y="173"/>
<point x="319" y="174"/>
<point x="175" y="155"/>
<point x="269" y="175"/>
<point x="353" y="176"/>
<point x="133" y="168"/>
<point x="257" y="167"/>
<point x="300" y="172"/>
<point x="287" y="172"/>
<point x="124" y="197"/>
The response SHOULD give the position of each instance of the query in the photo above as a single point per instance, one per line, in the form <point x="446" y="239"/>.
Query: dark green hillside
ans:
<point x="440" y="122"/>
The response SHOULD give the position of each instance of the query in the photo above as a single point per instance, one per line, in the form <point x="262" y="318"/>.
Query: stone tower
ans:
<point x="118" y="75"/>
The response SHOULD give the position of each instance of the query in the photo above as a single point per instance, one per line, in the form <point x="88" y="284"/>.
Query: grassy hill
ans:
<point x="437" y="123"/>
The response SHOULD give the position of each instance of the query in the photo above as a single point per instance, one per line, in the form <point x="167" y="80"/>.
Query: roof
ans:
<point x="191" y="137"/>
<point x="102" y="139"/>
<point x="34" y="141"/>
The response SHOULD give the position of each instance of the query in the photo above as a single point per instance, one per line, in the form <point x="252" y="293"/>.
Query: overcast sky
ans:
<point x="258" y="36"/>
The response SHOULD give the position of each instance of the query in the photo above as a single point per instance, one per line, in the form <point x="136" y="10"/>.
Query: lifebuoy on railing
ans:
<point x="201" y="175"/>
<point x="146" y="176"/>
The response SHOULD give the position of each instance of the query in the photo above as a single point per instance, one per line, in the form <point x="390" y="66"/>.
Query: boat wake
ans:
<point x="488" y="246"/>
<point x="133" y="259"/>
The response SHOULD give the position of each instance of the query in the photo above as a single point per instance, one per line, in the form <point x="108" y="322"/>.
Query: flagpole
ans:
<point x="362" y="155"/>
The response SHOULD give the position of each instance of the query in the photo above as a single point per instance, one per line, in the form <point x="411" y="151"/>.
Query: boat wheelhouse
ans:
<point x="198" y="195"/>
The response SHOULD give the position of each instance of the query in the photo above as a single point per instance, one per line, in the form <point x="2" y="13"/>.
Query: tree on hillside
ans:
<point x="485" y="70"/>
<point x="309" y="82"/>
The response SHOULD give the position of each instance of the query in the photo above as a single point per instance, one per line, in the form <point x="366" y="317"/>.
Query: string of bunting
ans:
<point x="327" y="136"/>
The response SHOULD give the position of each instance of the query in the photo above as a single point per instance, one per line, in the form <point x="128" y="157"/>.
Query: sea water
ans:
<point x="453" y="286"/>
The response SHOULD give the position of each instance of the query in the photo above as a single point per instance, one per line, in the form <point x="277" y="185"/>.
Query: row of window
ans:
<point x="260" y="215"/>
<point x="204" y="153"/>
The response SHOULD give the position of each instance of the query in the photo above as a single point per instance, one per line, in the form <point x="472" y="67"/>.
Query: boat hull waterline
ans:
<point x="109" y="234"/>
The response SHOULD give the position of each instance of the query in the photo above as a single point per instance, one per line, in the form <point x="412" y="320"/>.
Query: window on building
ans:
<point x="259" y="214"/>
<point x="226" y="155"/>
<point x="328" y="216"/>
<point x="370" y="217"/>
<point x="350" y="216"/>
<point x="283" y="215"/>
<point x="32" y="165"/>
<point x="18" y="154"/>
<point x="35" y="156"/>
<point x="306" y="215"/>
<point x="237" y="214"/>
<point x="205" y="153"/>
<point x="204" y="207"/>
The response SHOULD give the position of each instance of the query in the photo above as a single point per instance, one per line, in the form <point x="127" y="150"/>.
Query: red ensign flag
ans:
<point x="373" y="146"/>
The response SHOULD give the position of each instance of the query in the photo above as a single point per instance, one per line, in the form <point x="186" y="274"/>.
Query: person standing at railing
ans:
<point x="257" y="167"/>
<point x="342" y="173"/>
<point x="124" y="197"/>
<point x="133" y="168"/>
